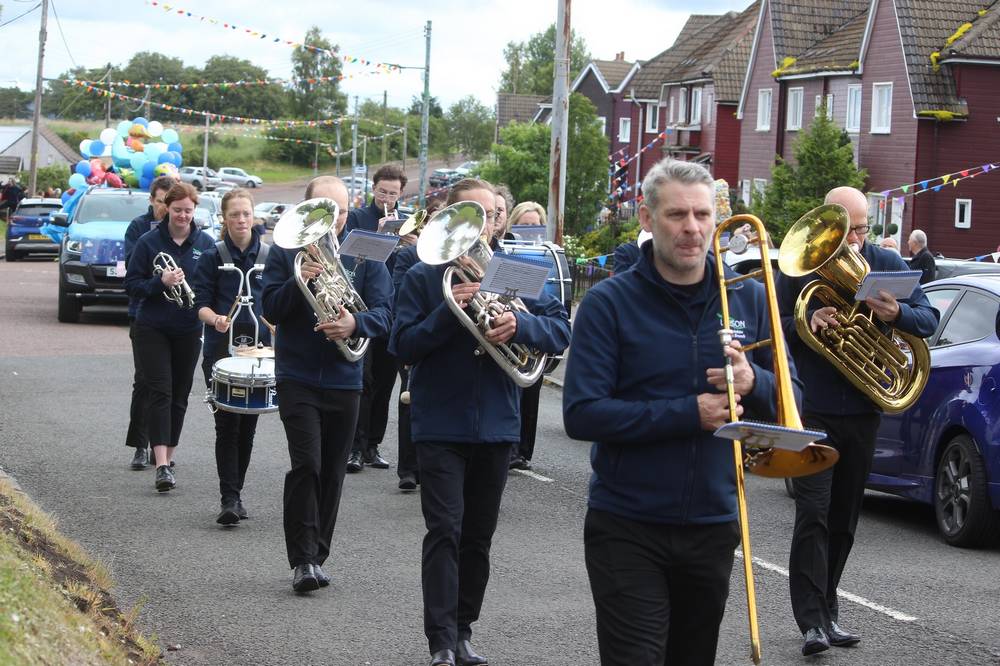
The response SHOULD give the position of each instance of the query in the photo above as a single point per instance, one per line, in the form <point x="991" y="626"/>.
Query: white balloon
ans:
<point x="108" y="135"/>
<point x="155" y="128"/>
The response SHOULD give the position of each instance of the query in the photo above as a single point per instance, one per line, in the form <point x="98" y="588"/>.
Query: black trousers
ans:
<point x="827" y="506"/>
<point x="319" y="425"/>
<point x="659" y="590"/>
<point x="234" y="435"/>
<point x="379" y="378"/>
<point x="167" y="363"/>
<point x="406" y="451"/>
<point x="136" y="435"/>
<point x="529" y="419"/>
<point x="460" y="490"/>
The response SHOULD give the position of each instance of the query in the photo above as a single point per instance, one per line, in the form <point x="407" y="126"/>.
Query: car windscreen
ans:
<point x="36" y="210"/>
<point x="111" y="208"/>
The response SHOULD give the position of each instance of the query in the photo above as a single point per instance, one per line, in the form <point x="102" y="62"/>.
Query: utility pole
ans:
<point x="354" y="150"/>
<point x="338" y="146"/>
<point x="425" y="118"/>
<point x="204" y="153"/>
<point x="33" y="180"/>
<point x="364" y="162"/>
<point x="560" y="127"/>
<point x="107" y="113"/>
<point x="406" y="126"/>
<point x="385" y="125"/>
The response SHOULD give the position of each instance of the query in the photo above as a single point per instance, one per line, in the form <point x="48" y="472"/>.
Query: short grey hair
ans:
<point x="670" y="170"/>
<point x="919" y="237"/>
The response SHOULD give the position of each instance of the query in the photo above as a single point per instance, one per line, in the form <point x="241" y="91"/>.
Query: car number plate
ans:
<point x="38" y="237"/>
<point x="118" y="270"/>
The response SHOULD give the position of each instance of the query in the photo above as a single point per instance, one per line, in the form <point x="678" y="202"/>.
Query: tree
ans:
<point x="824" y="159"/>
<point x="316" y="100"/>
<point x="417" y="107"/>
<point x="74" y="103"/>
<point x="531" y="65"/>
<point x="156" y="67"/>
<point x="247" y="101"/>
<point x="521" y="160"/>
<point x="15" y="103"/>
<point x="470" y="126"/>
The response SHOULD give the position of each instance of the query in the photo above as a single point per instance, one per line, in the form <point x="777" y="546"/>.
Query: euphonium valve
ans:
<point x="179" y="294"/>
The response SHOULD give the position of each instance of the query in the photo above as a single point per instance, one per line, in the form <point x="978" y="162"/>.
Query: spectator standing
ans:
<point x="921" y="259"/>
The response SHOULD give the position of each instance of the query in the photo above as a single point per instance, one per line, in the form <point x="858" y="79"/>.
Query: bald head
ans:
<point x="856" y="204"/>
<point x="330" y="187"/>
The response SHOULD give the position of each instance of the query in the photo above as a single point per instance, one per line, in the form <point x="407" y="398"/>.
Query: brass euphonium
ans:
<point x="454" y="235"/>
<point x="179" y="294"/>
<point x="312" y="226"/>
<point x="414" y="224"/>
<point x="889" y="366"/>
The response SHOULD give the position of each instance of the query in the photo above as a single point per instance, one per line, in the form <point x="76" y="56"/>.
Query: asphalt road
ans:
<point x="223" y="596"/>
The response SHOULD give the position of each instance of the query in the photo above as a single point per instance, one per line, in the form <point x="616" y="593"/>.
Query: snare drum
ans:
<point x="244" y="385"/>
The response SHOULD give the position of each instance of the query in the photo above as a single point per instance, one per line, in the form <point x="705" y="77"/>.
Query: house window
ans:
<point x="759" y="185"/>
<point x="709" y="108"/>
<point x="682" y="106"/>
<point x="745" y="191"/>
<point x="696" y="106"/>
<point x="876" y="213"/>
<point x="764" y="110"/>
<point x="604" y="124"/>
<point x="963" y="213"/>
<point x="652" y="118"/>
<point x="881" y="108"/>
<point x="794" y="109"/>
<point x="853" y="121"/>
<point x="819" y="105"/>
<point x="625" y="129"/>
<point x="673" y="117"/>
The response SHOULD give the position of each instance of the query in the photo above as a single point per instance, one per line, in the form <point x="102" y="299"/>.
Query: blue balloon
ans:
<point x="176" y="147"/>
<point x="153" y="152"/>
<point x="139" y="120"/>
<point x="123" y="128"/>
<point x="169" y="136"/>
<point x="77" y="181"/>
<point x="148" y="169"/>
<point x="176" y="158"/>
<point x="83" y="168"/>
<point x="145" y="182"/>
<point x="65" y="197"/>
<point x="97" y="148"/>
<point x="165" y="158"/>
<point x="137" y="161"/>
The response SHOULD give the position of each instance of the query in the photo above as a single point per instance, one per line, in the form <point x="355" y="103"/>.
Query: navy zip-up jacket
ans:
<point x="366" y="218"/>
<point x="406" y="258"/>
<point x="827" y="391"/>
<point x="456" y="395"/>
<point x="135" y="230"/>
<point x="638" y="363"/>
<point x="626" y="255"/>
<point x="218" y="289"/>
<point x="305" y="356"/>
<point x="142" y="284"/>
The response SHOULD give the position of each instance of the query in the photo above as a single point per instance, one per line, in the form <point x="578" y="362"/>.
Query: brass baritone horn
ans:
<point x="869" y="354"/>
<point x="453" y="235"/>
<point x="181" y="293"/>
<point x="312" y="226"/>
<point x="414" y="224"/>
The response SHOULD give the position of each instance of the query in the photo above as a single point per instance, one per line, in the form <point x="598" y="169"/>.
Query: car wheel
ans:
<point x="251" y="184"/>
<point x="10" y="254"/>
<point x="69" y="307"/>
<point x="197" y="185"/>
<point x="965" y="517"/>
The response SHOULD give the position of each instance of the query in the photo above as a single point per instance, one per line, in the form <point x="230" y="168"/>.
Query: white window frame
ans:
<point x="745" y="191"/>
<point x="877" y="127"/>
<point x="764" y="99"/>
<point x="652" y="118"/>
<point x="696" y="106"/>
<point x="604" y="124"/>
<point x="829" y="106"/>
<point x="796" y="97"/>
<point x="759" y="185"/>
<point x="682" y="106"/>
<point x="876" y="212"/>
<point x="896" y="217"/>
<point x="625" y="130"/>
<point x="963" y="213"/>
<point x="673" y="117"/>
<point x="709" y="107"/>
<point x="852" y="119"/>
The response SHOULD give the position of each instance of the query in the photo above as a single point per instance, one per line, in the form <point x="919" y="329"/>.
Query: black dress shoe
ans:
<point x="321" y="576"/>
<point x="466" y="656"/>
<point x="241" y="510"/>
<point x="229" y="515"/>
<point x="519" y="462"/>
<point x="408" y="482"/>
<point x="165" y="479"/>
<point x="815" y="641"/>
<point x="304" y="579"/>
<point x="443" y="658"/>
<point x="840" y="638"/>
<point x="375" y="459"/>
<point x="354" y="462"/>
<point x="140" y="460"/>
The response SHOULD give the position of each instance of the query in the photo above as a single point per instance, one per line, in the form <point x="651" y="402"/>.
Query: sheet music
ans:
<point x="762" y="435"/>
<point x="515" y="276"/>
<point x="368" y="245"/>
<point x="898" y="283"/>
<point x="391" y="226"/>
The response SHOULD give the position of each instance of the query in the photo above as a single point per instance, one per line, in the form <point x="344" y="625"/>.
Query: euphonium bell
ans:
<point x="312" y="226"/>
<point x="453" y="235"/>
<point x="890" y="367"/>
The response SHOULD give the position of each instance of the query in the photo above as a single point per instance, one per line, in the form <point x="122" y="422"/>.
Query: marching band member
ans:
<point x="645" y="382"/>
<point x="463" y="436"/>
<point x="215" y="292"/>
<point x="167" y="334"/>
<point x="318" y="391"/>
<point x="827" y="504"/>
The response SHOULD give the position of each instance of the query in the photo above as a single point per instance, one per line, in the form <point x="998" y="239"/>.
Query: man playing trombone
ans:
<point x="645" y="382"/>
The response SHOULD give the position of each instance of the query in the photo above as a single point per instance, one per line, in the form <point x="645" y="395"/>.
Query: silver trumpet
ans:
<point x="181" y="293"/>
<point x="312" y="226"/>
<point x="454" y="235"/>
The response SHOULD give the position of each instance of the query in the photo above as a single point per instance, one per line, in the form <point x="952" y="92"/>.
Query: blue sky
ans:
<point x="467" y="37"/>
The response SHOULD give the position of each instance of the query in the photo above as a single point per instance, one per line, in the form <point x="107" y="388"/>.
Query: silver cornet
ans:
<point x="179" y="294"/>
<point x="312" y="226"/>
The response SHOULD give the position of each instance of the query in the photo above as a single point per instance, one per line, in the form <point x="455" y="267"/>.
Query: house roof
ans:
<point x="647" y="81"/>
<point x="63" y="148"/>
<point x="797" y="25"/>
<point x="838" y="51"/>
<point x="9" y="135"/>
<point x="982" y="40"/>
<point x="520" y="108"/>
<point x="732" y="69"/>
<point x="613" y="71"/>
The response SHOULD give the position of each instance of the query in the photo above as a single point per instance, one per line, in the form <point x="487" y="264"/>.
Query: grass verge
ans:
<point x="55" y="607"/>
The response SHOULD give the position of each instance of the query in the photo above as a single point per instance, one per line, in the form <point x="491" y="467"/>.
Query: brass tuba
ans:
<point x="890" y="367"/>
<point x="181" y="293"/>
<point x="312" y="226"/>
<point x="454" y="235"/>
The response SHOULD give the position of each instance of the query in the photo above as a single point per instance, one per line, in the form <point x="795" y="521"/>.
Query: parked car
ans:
<point x="92" y="254"/>
<point x="442" y="177"/>
<point x="239" y="177"/>
<point x="24" y="234"/>
<point x="208" y="217"/>
<point x="359" y="183"/>
<point x="270" y="212"/>
<point x="947" y="267"/>
<point x="466" y="168"/>
<point x="201" y="178"/>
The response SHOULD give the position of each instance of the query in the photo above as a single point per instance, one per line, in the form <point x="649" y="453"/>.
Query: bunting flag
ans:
<point x="913" y="189"/>
<point x="223" y="85"/>
<point x="995" y="256"/>
<point x="257" y="34"/>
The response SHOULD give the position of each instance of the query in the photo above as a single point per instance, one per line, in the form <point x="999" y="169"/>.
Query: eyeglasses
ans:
<point x="384" y="193"/>
<point x="491" y="215"/>
<point x="861" y="229"/>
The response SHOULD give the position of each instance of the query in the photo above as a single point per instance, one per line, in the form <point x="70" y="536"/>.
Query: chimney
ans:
<point x="620" y="56"/>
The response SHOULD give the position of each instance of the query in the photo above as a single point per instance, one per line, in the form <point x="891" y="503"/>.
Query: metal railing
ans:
<point x="586" y="276"/>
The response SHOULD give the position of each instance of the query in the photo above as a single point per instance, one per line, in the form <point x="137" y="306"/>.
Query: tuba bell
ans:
<point x="179" y="294"/>
<point x="889" y="366"/>
<point x="454" y="235"/>
<point x="311" y="226"/>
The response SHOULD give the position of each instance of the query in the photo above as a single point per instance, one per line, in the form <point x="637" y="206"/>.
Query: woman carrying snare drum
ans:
<point x="216" y="291"/>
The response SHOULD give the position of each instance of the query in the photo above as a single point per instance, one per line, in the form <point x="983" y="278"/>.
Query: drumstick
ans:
<point x="269" y="325"/>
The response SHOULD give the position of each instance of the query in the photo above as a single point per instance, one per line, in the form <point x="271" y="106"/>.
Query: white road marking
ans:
<point x="861" y="601"/>
<point x="536" y="477"/>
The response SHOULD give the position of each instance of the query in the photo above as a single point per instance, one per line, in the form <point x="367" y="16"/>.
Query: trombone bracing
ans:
<point x="771" y="462"/>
